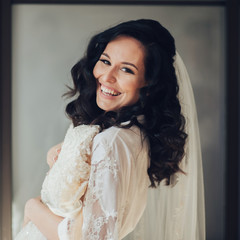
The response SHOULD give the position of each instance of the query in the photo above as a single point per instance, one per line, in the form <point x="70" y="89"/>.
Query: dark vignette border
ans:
<point x="232" y="140"/>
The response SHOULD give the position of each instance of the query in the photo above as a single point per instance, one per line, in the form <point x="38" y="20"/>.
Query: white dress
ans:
<point x="115" y="184"/>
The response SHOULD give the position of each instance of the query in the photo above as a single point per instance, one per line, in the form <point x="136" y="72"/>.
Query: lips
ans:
<point x="109" y="92"/>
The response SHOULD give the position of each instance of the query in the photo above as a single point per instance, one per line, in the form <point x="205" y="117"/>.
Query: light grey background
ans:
<point x="49" y="39"/>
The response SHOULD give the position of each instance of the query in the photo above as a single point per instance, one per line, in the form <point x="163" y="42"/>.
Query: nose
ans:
<point x="109" y="75"/>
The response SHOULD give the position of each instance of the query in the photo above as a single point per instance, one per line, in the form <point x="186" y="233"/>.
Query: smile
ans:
<point x="109" y="92"/>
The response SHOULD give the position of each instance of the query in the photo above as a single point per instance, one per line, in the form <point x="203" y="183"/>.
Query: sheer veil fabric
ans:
<point x="177" y="212"/>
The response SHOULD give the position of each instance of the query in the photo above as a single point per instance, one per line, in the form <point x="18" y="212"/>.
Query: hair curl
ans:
<point x="164" y="124"/>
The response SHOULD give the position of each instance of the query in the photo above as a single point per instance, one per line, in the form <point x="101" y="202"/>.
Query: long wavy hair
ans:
<point x="163" y="122"/>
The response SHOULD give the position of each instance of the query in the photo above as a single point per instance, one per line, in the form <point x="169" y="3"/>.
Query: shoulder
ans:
<point x="118" y="142"/>
<point x="116" y="135"/>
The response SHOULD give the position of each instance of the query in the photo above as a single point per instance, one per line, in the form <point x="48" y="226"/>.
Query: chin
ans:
<point x="106" y="109"/>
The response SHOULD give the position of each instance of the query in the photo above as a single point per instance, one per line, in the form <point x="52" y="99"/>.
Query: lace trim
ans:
<point x="100" y="220"/>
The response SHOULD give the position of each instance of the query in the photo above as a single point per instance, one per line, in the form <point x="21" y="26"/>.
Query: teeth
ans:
<point x="109" y="91"/>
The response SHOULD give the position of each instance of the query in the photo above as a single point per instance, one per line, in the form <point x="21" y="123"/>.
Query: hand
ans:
<point x="52" y="154"/>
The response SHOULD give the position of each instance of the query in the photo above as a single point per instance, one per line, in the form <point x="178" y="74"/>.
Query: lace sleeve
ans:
<point x="67" y="180"/>
<point x="101" y="205"/>
<point x="66" y="183"/>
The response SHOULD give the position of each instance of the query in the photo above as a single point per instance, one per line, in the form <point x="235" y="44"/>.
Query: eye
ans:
<point x="105" y="61"/>
<point x="127" y="70"/>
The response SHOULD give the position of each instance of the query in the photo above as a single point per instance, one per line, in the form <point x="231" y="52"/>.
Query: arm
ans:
<point x="42" y="217"/>
<point x="64" y="187"/>
<point x="37" y="212"/>
<point x="101" y="204"/>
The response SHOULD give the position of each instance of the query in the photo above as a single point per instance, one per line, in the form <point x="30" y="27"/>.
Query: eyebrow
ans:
<point x="127" y="63"/>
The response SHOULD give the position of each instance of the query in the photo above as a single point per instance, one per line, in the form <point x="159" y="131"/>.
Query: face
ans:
<point x="119" y="73"/>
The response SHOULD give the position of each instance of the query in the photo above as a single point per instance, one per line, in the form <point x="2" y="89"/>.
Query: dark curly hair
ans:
<point x="164" y="124"/>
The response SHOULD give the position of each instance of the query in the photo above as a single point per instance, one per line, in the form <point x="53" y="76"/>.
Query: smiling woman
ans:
<point x="132" y="115"/>
<point x="120" y="74"/>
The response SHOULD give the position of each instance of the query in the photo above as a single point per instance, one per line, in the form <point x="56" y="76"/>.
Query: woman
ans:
<point x="130" y="118"/>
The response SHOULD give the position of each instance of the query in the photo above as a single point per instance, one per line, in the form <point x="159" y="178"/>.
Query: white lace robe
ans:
<point x="116" y="194"/>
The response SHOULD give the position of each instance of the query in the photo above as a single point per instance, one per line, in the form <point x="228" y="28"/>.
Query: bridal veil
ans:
<point x="177" y="212"/>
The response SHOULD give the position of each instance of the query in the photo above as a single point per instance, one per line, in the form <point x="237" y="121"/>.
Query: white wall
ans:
<point x="49" y="39"/>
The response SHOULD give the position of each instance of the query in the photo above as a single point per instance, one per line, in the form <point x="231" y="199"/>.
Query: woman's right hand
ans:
<point x="52" y="154"/>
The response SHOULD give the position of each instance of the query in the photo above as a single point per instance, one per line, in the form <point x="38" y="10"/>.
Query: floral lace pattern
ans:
<point x="101" y="217"/>
<point x="106" y="207"/>
<point x="107" y="198"/>
<point x="67" y="181"/>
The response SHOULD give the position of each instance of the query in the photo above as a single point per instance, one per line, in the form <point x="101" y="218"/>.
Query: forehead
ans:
<point x="126" y="48"/>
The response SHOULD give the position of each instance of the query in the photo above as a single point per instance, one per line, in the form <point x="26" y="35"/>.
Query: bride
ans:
<point x="130" y="163"/>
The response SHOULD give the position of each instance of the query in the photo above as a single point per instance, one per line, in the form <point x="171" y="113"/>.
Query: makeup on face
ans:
<point x="119" y="73"/>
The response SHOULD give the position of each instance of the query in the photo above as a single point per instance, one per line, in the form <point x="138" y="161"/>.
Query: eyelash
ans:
<point x="126" y="70"/>
<point x="105" y="61"/>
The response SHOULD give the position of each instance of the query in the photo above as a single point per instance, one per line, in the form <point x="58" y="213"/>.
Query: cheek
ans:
<point x="135" y="86"/>
<point x="95" y="71"/>
<point x="131" y="90"/>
